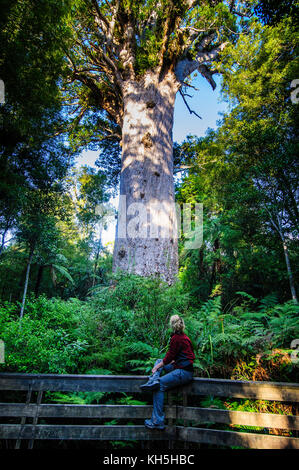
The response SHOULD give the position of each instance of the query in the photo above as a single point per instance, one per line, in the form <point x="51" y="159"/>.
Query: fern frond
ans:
<point x="143" y="348"/>
<point x="268" y="302"/>
<point x="247" y="296"/>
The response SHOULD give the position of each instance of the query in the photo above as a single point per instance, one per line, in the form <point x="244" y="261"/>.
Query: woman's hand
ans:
<point x="155" y="368"/>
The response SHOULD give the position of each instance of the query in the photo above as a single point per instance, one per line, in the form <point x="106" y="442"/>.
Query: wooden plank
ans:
<point x="296" y="412"/>
<point x="71" y="383"/>
<point x="208" y="436"/>
<point x="81" y="411"/>
<point x="272" y="391"/>
<point x="239" y="439"/>
<point x="277" y="391"/>
<point x="67" y="432"/>
<point x="263" y="420"/>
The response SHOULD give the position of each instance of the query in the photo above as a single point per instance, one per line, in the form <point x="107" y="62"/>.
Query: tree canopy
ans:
<point x="119" y="41"/>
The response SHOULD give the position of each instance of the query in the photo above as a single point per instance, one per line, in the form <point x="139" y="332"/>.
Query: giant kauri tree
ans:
<point x="127" y="61"/>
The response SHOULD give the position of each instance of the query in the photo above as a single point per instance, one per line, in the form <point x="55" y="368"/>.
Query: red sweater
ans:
<point x="180" y="350"/>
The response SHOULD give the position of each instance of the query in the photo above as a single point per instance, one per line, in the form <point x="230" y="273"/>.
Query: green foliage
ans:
<point x="123" y="329"/>
<point x="245" y="173"/>
<point x="242" y="334"/>
<point x="114" y="327"/>
<point x="212" y="402"/>
<point x="47" y="340"/>
<point x="140" y="350"/>
<point x="147" y="56"/>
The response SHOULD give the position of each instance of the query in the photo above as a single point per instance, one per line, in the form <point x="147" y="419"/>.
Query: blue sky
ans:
<point x="205" y="102"/>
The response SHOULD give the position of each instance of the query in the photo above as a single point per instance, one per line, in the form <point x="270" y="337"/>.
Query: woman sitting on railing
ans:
<point x="178" y="366"/>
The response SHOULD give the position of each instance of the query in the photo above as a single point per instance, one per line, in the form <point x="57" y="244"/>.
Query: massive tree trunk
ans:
<point x="146" y="236"/>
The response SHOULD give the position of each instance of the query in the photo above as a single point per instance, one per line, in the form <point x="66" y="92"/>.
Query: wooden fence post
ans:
<point x="35" y="419"/>
<point x="186" y="423"/>
<point x="23" y="419"/>
<point x="171" y="421"/>
<point x="296" y="414"/>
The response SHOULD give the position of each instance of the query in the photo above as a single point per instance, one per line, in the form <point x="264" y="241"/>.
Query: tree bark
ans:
<point x="26" y="282"/>
<point x="2" y="242"/>
<point x="278" y="227"/>
<point x="215" y="267"/>
<point x="99" y="246"/>
<point x="3" y="238"/>
<point x="290" y="274"/>
<point x="147" y="179"/>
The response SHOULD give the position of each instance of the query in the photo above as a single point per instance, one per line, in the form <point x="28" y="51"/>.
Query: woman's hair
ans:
<point x="177" y="324"/>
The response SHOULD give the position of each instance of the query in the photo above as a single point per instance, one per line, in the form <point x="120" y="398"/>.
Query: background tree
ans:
<point x="246" y="173"/>
<point x="273" y="11"/>
<point x="261" y="132"/>
<point x="37" y="228"/>
<point x="32" y="154"/>
<point x="93" y="211"/>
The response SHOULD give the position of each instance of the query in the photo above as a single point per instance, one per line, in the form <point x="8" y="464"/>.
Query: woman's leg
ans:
<point x="153" y="380"/>
<point x="172" y="379"/>
<point x="157" y="374"/>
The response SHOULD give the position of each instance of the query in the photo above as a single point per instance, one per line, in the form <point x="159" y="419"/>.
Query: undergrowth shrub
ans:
<point x="47" y="340"/>
<point x="249" y="342"/>
<point x="123" y="329"/>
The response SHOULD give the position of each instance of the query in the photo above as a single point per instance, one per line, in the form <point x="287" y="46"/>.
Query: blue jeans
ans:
<point x="172" y="378"/>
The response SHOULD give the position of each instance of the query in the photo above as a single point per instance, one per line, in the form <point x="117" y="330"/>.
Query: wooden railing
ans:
<point x="184" y="423"/>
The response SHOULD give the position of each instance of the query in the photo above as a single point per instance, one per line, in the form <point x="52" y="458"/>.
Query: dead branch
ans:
<point x="191" y="111"/>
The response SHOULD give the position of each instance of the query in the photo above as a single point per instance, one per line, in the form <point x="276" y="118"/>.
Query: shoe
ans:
<point x="150" y="385"/>
<point x="150" y="425"/>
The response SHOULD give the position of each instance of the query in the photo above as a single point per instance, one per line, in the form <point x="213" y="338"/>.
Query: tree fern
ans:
<point x="63" y="271"/>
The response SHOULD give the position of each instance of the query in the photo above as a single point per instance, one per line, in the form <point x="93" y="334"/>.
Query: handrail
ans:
<point x="272" y="391"/>
<point x="193" y="417"/>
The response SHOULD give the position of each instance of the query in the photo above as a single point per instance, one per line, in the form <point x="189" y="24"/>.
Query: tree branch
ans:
<point x="188" y="107"/>
<point x="207" y="74"/>
<point x="190" y="3"/>
<point x="99" y="15"/>
<point x="110" y="63"/>
<point x="109" y="100"/>
<point x="186" y="66"/>
<point x="165" y="40"/>
<point x="190" y="86"/>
